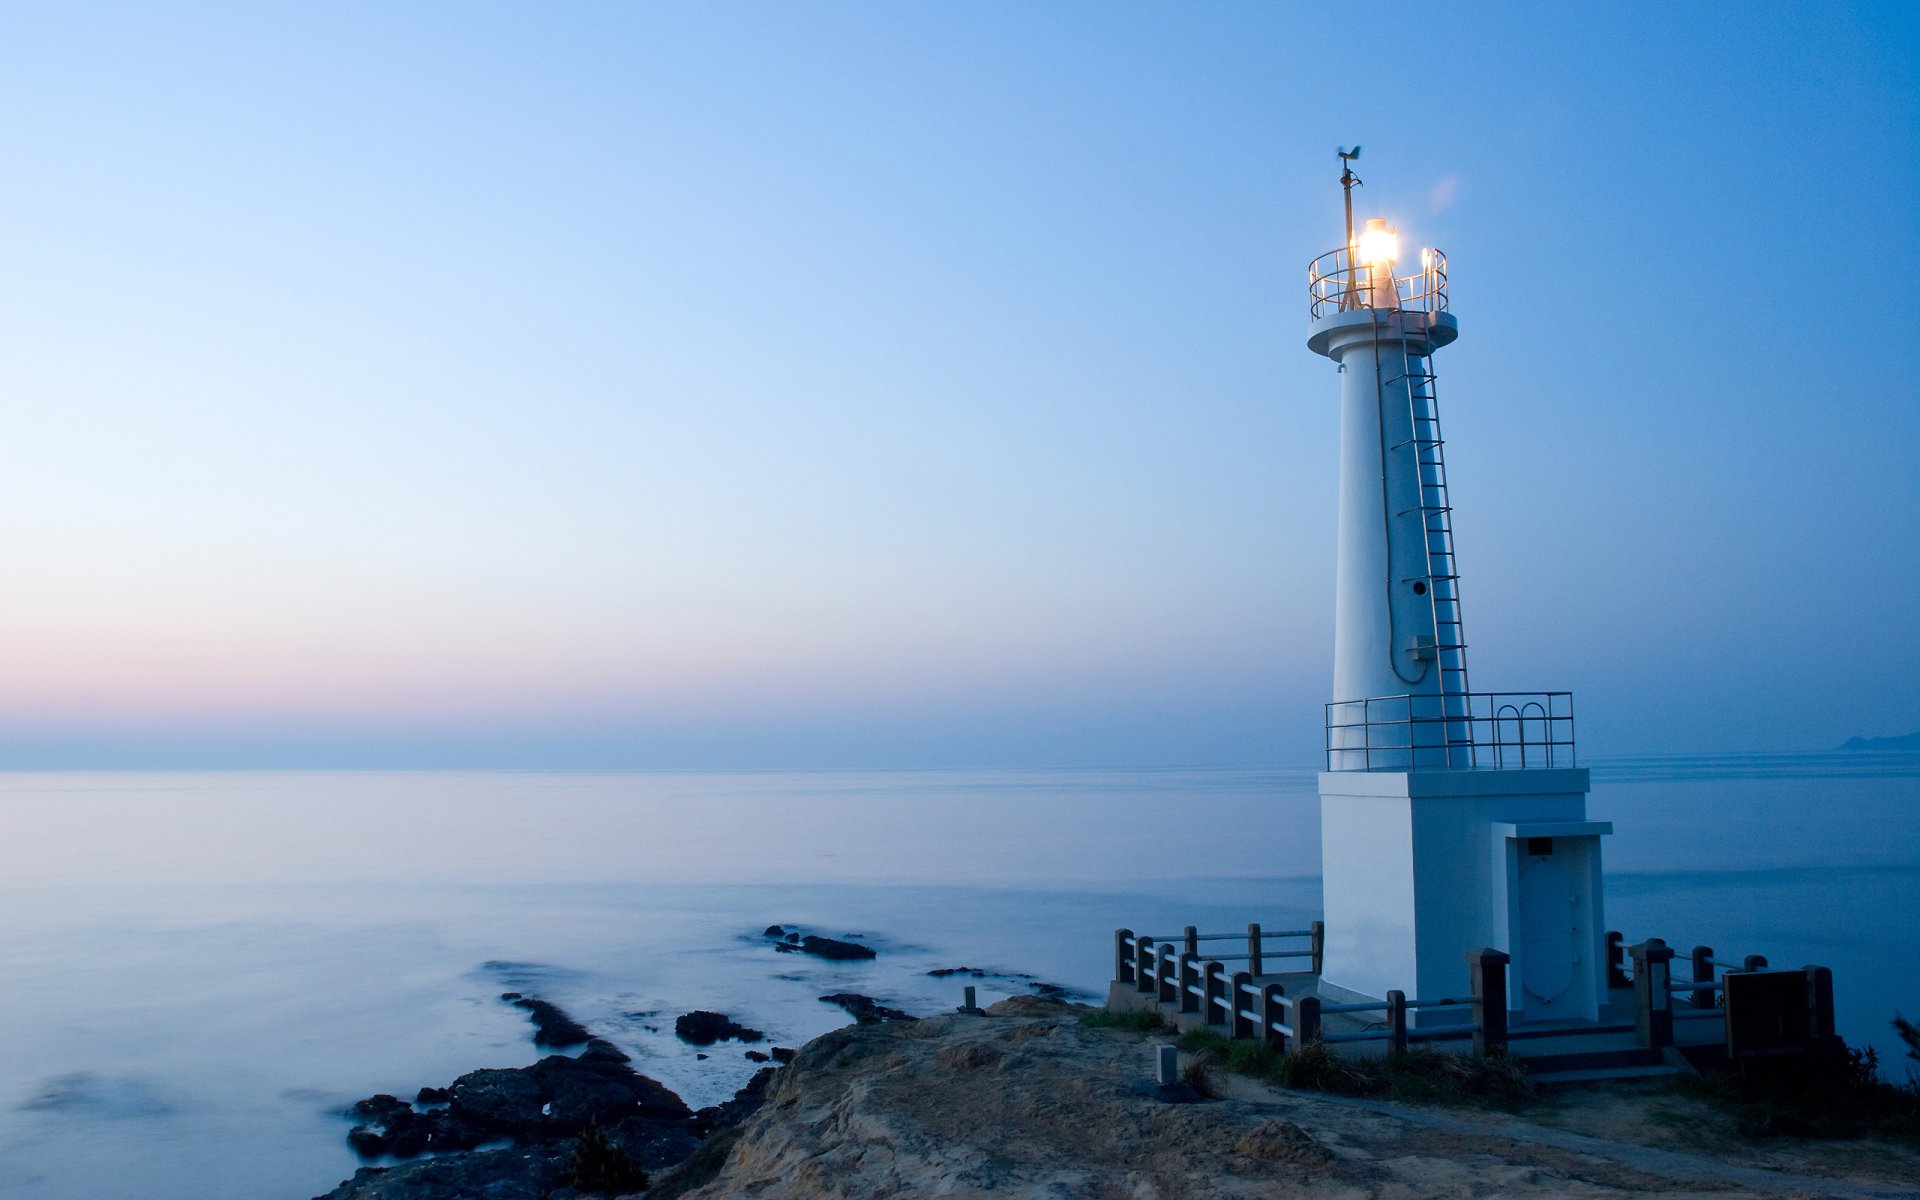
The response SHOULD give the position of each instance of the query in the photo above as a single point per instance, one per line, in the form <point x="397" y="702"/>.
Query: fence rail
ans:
<point x="1247" y="1004"/>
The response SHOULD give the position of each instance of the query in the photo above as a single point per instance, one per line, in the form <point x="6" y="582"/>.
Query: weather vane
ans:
<point x="1349" y="181"/>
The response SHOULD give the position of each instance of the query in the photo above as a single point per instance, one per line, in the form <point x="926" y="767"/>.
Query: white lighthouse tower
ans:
<point x="1450" y="819"/>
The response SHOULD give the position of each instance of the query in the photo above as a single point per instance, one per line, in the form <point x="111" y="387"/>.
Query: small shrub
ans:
<point x="1202" y="1073"/>
<point x="1131" y="1022"/>
<point x="1203" y="1041"/>
<point x="1316" y="1068"/>
<point x="1254" y="1058"/>
<point x="1438" y="1077"/>
<point x="600" y="1166"/>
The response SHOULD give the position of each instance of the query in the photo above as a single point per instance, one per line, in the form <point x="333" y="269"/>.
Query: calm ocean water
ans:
<point x="199" y="971"/>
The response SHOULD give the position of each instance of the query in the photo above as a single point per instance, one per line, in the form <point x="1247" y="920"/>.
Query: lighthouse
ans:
<point x="1452" y="821"/>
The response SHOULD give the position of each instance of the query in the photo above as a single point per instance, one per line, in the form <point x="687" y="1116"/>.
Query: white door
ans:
<point x="1546" y="934"/>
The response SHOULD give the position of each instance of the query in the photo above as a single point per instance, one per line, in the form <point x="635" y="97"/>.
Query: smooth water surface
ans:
<point x="201" y="970"/>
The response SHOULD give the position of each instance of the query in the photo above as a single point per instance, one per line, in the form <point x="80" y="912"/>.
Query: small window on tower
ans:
<point x="1540" y="847"/>
<point x="1419" y="588"/>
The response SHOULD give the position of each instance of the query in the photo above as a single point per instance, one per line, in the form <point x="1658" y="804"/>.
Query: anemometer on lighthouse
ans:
<point x="1450" y="819"/>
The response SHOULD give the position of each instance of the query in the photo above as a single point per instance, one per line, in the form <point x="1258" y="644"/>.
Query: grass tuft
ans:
<point x="1129" y="1022"/>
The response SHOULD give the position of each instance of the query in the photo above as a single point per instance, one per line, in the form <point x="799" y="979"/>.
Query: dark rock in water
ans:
<point x="703" y="1028"/>
<point x="557" y="1096"/>
<point x="776" y="931"/>
<point x="405" y="1133"/>
<point x="367" y="1141"/>
<point x="701" y="1057"/>
<point x="521" y="1173"/>
<point x="784" y="1054"/>
<point x="743" y="1105"/>
<point x="945" y="972"/>
<point x="757" y="1056"/>
<point x="379" y="1109"/>
<point x="510" y="995"/>
<point x="865" y="1009"/>
<point x="834" y="948"/>
<point x="1051" y="991"/>
<point x="794" y="938"/>
<point x="507" y="1101"/>
<point x="600" y="1050"/>
<point x="580" y="1091"/>
<point x="552" y="1025"/>
<point x="786" y="947"/>
<point x="432" y="1095"/>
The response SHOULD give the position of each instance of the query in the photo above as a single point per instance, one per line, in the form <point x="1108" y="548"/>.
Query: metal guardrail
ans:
<point x="1338" y="281"/>
<point x="1476" y="730"/>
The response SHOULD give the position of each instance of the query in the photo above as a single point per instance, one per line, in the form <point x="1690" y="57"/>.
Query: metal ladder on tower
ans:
<point x="1443" y="577"/>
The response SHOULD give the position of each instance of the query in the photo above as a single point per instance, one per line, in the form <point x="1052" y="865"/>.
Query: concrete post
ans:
<point x="1820" y="1001"/>
<point x="1192" y="938"/>
<point x="1306" y="1021"/>
<point x="1397" y="1021"/>
<point x="1189" y="980"/>
<point x="1652" y="993"/>
<point x="1487" y="973"/>
<point x="972" y="1005"/>
<point x="1617" y="962"/>
<point x="1143" y="965"/>
<point x="1273" y="1008"/>
<point x="1123" y="955"/>
<point x="1319" y="931"/>
<point x="1215" y="1008"/>
<point x="1167" y="974"/>
<point x="1702" y="973"/>
<point x="1166" y="1064"/>
<point x="1237" y="1005"/>
<point x="1254" y="965"/>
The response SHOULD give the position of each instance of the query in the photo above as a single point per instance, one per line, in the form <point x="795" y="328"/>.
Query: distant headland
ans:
<point x="1905" y="741"/>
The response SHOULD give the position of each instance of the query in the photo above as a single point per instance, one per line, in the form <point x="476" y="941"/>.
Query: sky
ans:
<point x="767" y="385"/>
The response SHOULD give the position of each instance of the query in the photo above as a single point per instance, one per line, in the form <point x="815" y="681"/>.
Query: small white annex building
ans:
<point x="1450" y="819"/>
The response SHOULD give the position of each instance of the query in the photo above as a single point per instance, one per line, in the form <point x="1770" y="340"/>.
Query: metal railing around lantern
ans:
<point x="1338" y="281"/>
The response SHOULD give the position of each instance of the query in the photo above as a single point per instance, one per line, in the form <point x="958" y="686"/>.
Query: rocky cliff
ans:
<point x="1027" y="1102"/>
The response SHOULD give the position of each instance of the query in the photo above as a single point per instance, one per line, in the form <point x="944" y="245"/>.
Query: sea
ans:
<point x="200" y="971"/>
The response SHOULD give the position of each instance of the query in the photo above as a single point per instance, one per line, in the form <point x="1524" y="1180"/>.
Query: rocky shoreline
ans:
<point x="522" y="1133"/>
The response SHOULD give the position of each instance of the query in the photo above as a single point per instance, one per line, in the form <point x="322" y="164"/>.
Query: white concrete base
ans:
<point x="1421" y="866"/>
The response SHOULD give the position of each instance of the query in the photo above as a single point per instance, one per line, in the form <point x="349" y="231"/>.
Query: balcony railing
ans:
<point x="1469" y="730"/>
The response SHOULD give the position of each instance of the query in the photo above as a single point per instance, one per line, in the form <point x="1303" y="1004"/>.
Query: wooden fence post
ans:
<point x="1306" y="1021"/>
<point x="1272" y="1008"/>
<point x="1318" y="930"/>
<point x="1254" y="965"/>
<point x="1168" y="975"/>
<point x="1755" y="962"/>
<point x="1653" y="993"/>
<point x="1123" y="955"/>
<point x="1191" y="935"/>
<point x="1397" y="1021"/>
<point x="1487" y="971"/>
<point x="1189" y="979"/>
<point x="1216" y="987"/>
<point x="1143" y="965"/>
<point x="1236" y="1005"/>
<point x="1702" y="973"/>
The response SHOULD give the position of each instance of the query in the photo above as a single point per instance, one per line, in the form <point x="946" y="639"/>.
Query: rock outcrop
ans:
<point x="1026" y="1102"/>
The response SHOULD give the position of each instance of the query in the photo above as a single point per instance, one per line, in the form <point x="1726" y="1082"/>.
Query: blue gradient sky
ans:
<point x="791" y="385"/>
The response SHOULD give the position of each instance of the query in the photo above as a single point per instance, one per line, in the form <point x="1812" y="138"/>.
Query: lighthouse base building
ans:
<point x="1420" y="867"/>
